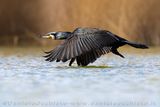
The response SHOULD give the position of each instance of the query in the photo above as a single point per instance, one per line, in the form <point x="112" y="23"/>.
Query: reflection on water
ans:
<point x="28" y="79"/>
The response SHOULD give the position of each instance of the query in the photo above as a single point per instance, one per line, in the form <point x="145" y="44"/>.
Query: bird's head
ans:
<point x="57" y="35"/>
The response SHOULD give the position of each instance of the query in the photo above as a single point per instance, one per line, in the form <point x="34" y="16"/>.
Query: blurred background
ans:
<point x="22" y="21"/>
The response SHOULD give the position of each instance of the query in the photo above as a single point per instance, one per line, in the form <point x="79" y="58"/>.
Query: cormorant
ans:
<point x="85" y="45"/>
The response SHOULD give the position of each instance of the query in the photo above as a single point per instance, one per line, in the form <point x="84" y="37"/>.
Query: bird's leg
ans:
<point x="117" y="53"/>
<point x="72" y="60"/>
<point x="78" y="61"/>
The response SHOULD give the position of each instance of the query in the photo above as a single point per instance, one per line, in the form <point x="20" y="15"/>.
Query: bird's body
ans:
<point x="85" y="45"/>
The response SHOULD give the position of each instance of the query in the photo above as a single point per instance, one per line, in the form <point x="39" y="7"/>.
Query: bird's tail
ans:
<point x="136" y="45"/>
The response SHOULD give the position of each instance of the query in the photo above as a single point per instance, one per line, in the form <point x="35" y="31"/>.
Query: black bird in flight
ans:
<point x="85" y="45"/>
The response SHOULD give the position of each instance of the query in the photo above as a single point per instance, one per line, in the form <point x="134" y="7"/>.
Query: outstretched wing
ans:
<point x="81" y="42"/>
<point x="90" y="57"/>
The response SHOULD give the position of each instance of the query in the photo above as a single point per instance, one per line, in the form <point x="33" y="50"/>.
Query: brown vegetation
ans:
<point x="21" y="21"/>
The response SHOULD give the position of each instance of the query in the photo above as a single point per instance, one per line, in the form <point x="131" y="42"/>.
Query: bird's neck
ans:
<point x="63" y="35"/>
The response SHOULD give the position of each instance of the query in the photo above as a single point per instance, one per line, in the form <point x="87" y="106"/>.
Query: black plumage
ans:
<point x="85" y="45"/>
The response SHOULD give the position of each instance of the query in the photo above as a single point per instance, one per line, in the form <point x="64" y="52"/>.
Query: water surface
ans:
<point x="26" y="80"/>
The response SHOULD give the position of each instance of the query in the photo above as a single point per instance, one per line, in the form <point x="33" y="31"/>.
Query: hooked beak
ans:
<point x="48" y="36"/>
